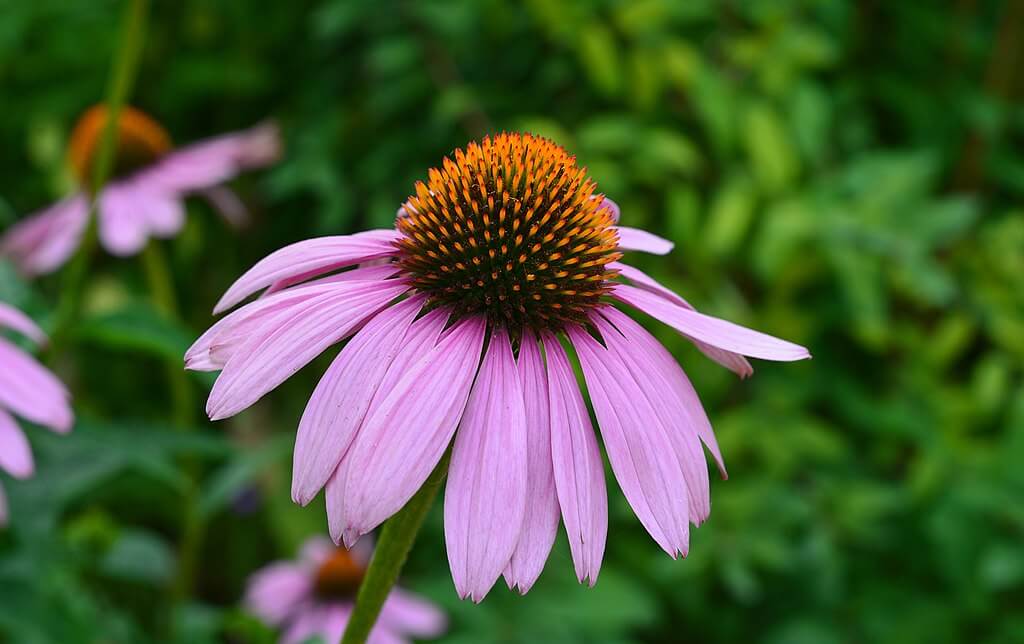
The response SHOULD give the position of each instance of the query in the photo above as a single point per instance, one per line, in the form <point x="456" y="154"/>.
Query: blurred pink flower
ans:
<point x="458" y="322"/>
<point x="144" y="197"/>
<point x="315" y="596"/>
<point x="28" y="390"/>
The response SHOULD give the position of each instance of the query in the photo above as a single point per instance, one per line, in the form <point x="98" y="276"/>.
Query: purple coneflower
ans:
<point x="460" y="323"/>
<point x="144" y="197"/>
<point x="27" y="390"/>
<point x="315" y="596"/>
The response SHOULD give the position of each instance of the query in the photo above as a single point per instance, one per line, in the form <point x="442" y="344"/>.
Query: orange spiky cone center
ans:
<point x="140" y="142"/>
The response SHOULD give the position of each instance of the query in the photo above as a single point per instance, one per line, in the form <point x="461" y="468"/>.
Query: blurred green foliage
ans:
<point x="843" y="174"/>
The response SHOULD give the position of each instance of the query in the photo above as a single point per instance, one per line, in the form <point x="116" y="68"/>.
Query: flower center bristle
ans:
<point x="511" y="228"/>
<point x="140" y="142"/>
<point x="338" y="577"/>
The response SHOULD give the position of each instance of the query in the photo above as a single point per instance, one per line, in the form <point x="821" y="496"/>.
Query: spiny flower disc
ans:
<point x="338" y="577"/>
<point x="140" y="141"/>
<point x="513" y="229"/>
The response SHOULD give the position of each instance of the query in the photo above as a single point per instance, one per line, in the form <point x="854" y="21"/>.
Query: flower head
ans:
<point x="144" y="196"/>
<point x="27" y="390"/>
<point x="315" y="595"/>
<point x="458" y="323"/>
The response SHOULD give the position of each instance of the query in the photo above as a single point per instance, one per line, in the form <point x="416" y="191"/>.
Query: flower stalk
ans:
<point x="392" y="550"/>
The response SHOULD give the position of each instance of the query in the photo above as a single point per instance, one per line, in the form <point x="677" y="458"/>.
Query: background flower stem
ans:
<point x="392" y="549"/>
<point x="122" y="76"/>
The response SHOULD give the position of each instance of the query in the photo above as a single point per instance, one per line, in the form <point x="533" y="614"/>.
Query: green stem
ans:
<point x="389" y="556"/>
<point x="122" y="76"/>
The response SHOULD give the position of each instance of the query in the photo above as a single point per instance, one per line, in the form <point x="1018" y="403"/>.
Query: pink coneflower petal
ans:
<point x="275" y="592"/>
<point x="216" y="346"/>
<point x="165" y="214"/>
<point x="308" y="259"/>
<point x="485" y="497"/>
<point x="675" y="377"/>
<point x="288" y="341"/>
<point x="406" y="613"/>
<point x="227" y="204"/>
<point x="641" y="240"/>
<point x="14" y="319"/>
<point x="716" y="332"/>
<point x="123" y="228"/>
<point x="339" y="402"/>
<point x="629" y="343"/>
<point x="41" y="243"/>
<point x="405" y="435"/>
<point x="32" y="392"/>
<point x="375" y="269"/>
<point x="578" y="468"/>
<point x="732" y="361"/>
<point x="639" y="448"/>
<point x="15" y="453"/>
<point x="540" y="524"/>
<point x="309" y="622"/>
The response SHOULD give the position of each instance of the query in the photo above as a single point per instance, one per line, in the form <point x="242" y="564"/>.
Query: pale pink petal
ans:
<point x="633" y="346"/>
<point x="485" y="497"/>
<point x="15" y="453"/>
<point x="374" y="269"/>
<point x="639" y="449"/>
<point x="165" y="214"/>
<point x="309" y="258"/>
<point x="207" y="163"/>
<point x="732" y="361"/>
<point x="340" y="400"/>
<point x="641" y="240"/>
<point x="32" y="392"/>
<point x="123" y="227"/>
<point x="408" y="614"/>
<point x="612" y="207"/>
<point x="309" y="621"/>
<point x="540" y="523"/>
<point x="275" y="593"/>
<point x="714" y="331"/>
<point x="336" y="619"/>
<point x="578" y="469"/>
<point x="315" y="551"/>
<point x="405" y="435"/>
<point x="227" y="204"/>
<point x="43" y="242"/>
<point x="675" y="377"/>
<point x="288" y="341"/>
<point x="14" y="319"/>
<point x="216" y="346"/>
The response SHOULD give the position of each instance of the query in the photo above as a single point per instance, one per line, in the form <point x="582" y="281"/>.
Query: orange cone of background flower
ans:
<point x="144" y="197"/>
<point x="459" y="322"/>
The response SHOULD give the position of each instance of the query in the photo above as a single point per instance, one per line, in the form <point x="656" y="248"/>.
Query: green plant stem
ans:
<point x="393" y="546"/>
<point x="122" y="76"/>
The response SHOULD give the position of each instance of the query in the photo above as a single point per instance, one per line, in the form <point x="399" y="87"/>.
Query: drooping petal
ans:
<point x="309" y="622"/>
<point x="216" y="346"/>
<point x="14" y="319"/>
<point x="32" y="392"/>
<point x="374" y="269"/>
<point x="714" y="331"/>
<point x="165" y="214"/>
<point x="123" y="228"/>
<point x="42" y="242"/>
<point x="227" y="204"/>
<point x="339" y="402"/>
<point x="641" y="240"/>
<point x="732" y="361"/>
<point x="639" y="449"/>
<point x="578" y="469"/>
<point x="289" y="340"/>
<point x="677" y="379"/>
<point x="275" y="593"/>
<point x="485" y="497"/>
<point x="15" y="453"/>
<point x="307" y="259"/>
<point x="540" y="523"/>
<point x="405" y="434"/>
<point x="633" y="346"/>
<point x="408" y="614"/>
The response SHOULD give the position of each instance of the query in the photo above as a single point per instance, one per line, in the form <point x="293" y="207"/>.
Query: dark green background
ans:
<point x="847" y="175"/>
